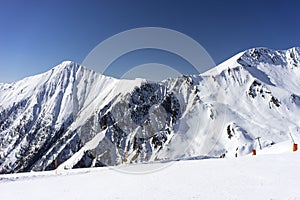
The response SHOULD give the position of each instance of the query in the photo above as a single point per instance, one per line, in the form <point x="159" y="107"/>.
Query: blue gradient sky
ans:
<point x="37" y="35"/>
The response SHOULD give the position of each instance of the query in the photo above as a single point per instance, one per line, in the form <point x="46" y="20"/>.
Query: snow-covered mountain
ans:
<point x="74" y="117"/>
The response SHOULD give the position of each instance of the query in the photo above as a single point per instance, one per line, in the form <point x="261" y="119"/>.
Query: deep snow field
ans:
<point x="272" y="174"/>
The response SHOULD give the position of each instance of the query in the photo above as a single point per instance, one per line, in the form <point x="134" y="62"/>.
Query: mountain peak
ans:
<point x="264" y="55"/>
<point x="67" y="65"/>
<point x="257" y="56"/>
<point x="67" y="62"/>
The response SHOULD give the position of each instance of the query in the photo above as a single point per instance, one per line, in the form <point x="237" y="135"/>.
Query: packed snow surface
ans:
<point x="272" y="174"/>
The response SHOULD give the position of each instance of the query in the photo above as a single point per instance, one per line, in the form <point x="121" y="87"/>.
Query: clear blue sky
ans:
<point x="37" y="35"/>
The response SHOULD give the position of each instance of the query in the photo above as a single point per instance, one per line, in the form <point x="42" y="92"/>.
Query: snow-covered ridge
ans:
<point x="51" y="119"/>
<point x="268" y="56"/>
<point x="257" y="56"/>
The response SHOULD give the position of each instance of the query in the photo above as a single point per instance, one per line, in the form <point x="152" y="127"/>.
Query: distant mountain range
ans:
<point x="71" y="116"/>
